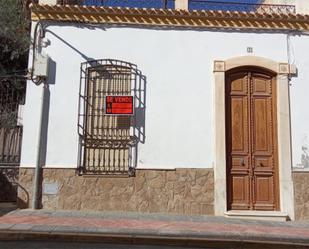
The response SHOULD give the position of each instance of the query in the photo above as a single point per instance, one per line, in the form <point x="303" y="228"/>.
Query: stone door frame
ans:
<point x="283" y="71"/>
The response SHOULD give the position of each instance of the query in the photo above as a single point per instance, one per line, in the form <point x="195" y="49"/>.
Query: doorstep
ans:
<point x="257" y="215"/>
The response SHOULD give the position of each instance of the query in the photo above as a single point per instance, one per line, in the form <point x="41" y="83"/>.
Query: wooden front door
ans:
<point x="251" y="145"/>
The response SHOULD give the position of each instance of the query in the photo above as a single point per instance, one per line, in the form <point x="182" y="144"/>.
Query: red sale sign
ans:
<point x="119" y="105"/>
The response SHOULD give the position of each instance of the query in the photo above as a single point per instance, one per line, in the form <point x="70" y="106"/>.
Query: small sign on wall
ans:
<point x="50" y="188"/>
<point x="119" y="105"/>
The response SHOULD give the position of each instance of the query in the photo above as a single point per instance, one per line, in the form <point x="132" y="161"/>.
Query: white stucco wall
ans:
<point x="178" y="65"/>
<point x="47" y="1"/>
<point x="299" y="47"/>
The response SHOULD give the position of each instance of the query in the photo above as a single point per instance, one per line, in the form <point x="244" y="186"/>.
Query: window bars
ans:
<point x="12" y="94"/>
<point x="108" y="143"/>
<point x="10" y="146"/>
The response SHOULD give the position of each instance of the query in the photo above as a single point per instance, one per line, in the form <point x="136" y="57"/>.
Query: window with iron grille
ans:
<point x="108" y="143"/>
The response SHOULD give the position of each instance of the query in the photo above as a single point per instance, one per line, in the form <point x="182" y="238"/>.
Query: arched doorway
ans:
<point x="251" y="139"/>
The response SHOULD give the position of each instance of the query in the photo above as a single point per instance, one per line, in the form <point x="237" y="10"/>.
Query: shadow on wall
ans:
<point x="9" y="186"/>
<point x="23" y="195"/>
<point x="51" y="80"/>
<point x="69" y="45"/>
<point x="140" y="111"/>
<point x="24" y="201"/>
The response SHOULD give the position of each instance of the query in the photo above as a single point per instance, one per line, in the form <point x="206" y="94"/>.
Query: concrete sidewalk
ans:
<point x="152" y="229"/>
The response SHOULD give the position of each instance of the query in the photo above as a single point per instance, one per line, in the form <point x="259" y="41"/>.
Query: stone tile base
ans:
<point x="301" y="195"/>
<point x="180" y="191"/>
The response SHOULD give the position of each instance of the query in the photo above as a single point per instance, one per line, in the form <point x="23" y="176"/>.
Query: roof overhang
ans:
<point x="171" y="17"/>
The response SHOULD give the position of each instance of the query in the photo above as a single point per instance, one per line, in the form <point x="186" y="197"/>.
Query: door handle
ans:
<point x="242" y="162"/>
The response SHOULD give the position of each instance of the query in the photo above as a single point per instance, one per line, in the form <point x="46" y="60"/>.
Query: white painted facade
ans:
<point x="302" y="6"/>
<point x="178" y="65"/>
<point x="48" y="2"/>
<point x="299" y="101"/>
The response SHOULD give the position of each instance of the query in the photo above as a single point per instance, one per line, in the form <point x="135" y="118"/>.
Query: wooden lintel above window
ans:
<point x="171" y="17"/>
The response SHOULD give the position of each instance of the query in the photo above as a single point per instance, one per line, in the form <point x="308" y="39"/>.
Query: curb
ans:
<point x="212" y="241"/>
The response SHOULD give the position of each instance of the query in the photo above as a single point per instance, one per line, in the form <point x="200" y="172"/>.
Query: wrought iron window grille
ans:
<point x="12" y="94"/>
<point x="108" y="143"/>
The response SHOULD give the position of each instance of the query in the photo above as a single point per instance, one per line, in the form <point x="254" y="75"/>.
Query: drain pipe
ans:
<point x="37" y="172"/>
<point x="38" y="80"/>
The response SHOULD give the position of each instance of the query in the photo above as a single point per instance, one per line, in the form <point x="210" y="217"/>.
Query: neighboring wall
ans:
<point x="178" y="64"/>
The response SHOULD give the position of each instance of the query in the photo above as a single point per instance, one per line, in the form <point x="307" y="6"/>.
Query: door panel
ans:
<point x="251" y="141"/>
<point x="240" y="191"/>
<point x="238" y="136"/>
<point x="239" y="110"/>
<point x="264" y="191"/>
<point x="261" y="130"/>
<point x="263" y="149"/>
<point x="239" y="84"/>
<point x="261" y="84"/>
